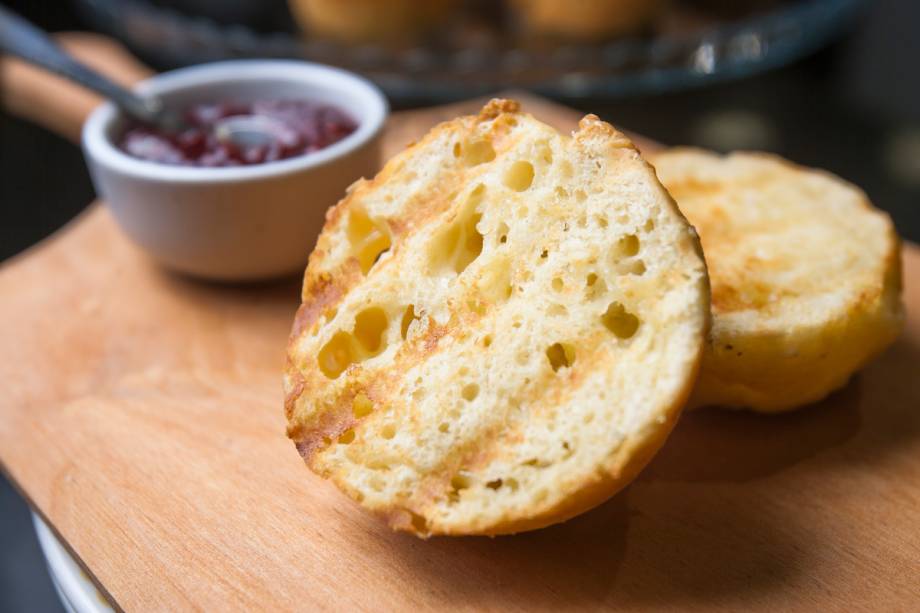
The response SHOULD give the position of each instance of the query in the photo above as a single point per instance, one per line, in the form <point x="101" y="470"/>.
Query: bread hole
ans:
<point x="567" y="450"/>
<point x="537" y="463"/>
<point x="588" y="418"/>
<point x="330" y="314"/>
<point x="370" y="325"/>
<point x="457" y="150"/>
<point x="487" y="341"/>
<point x="522" y="358"/>
<point x="519" y="176"/>
<point x="516" y="324"/>
<point x="362" y="406"/>
<point x="632" y="267"/>
<point x="347" y="437"/>
<point x="408" y="317"/>
<point x="627" y="246"/>
<point x="582" y="221"/>
<point x="557" y="310"/>
<point x="326" y="441"/>
<point x="502" y="233"/>
<point x="495" y="484"/>
<point x="461" y="242"/>
<point x="336" y="355"/>
<point x="544" y="254"/>
<point x="649" y="225"/>
<point x="470" y="392"/>
<point x="561" y="193"/>
<point x="368" y="238"/>
<point x="546" y="155"/>
<point x="388" y="431"/>
<point x="460" y="481"/>
<point x="596" y="288"/>
<point x="621" y="322"/>
<point x="444" y="427"/>
<point x="463" y="371"/>
<point x="557" y="284"/>
<point x="591" y="279"/>
<point x="560" y="355"/>
<point x="419" y="523"/>
<point x="471" y="246"/>
<point x="512" y="484"/>
<point x="478" y="152"/>
<point x="565" y="167"/>
<point x="580" y="195"/>
<point x="602" y="221"/>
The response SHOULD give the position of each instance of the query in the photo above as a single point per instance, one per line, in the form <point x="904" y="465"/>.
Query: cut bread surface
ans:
<point x="497" y="331"/>
<point x="805" y="273"/>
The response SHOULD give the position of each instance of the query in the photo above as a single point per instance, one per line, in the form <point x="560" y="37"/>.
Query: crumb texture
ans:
<point x="499" y="329"/>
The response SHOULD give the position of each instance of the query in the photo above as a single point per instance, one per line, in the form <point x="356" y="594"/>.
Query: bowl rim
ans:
<point x="100" y="149"/>
<point x="76" y="591"/>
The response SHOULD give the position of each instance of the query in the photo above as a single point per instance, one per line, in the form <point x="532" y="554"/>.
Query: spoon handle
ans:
<point x="20" y="38"/>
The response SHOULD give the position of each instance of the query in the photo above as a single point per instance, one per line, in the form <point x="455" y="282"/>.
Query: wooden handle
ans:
<point x="55" y="103"/>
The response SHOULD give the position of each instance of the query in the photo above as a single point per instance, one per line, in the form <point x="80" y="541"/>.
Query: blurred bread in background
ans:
<point x="357" y="21"/>
<point x="407" y="21"/>
<point x="805" y="274"/>
<point x="585" y="19"/>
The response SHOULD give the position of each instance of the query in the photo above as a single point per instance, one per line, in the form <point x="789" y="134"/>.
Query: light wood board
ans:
<point x="142" y="417"/>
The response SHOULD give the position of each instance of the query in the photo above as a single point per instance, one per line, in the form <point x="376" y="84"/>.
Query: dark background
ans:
<point x="853" y="108"/>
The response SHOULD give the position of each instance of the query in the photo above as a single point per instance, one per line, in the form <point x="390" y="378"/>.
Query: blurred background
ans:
<point x="826" y="83"/>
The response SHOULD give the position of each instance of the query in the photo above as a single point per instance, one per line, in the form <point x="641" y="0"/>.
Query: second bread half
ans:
<point x="806" y="276"/>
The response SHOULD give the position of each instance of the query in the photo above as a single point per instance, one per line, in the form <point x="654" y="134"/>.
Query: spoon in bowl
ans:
<point x="22" y="39"/>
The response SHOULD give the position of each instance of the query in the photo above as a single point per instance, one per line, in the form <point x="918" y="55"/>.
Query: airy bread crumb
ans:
<point x="499" y="330"/>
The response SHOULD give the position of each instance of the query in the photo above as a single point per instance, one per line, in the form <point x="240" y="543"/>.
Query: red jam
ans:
<point x="295" y="127"/>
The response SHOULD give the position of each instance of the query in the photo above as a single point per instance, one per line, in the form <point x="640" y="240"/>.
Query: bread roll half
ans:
<point x="499" y="330"/>
<point x="806" y="276"/>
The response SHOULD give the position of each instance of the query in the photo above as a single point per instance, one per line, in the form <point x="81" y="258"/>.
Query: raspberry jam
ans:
<point x="294" y="127"/>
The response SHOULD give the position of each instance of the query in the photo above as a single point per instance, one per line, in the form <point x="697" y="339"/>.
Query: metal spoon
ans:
<point x="24" y="40"/>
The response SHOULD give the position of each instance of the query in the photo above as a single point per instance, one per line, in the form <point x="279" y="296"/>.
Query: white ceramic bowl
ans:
<point x="74" y="588"/>
<point x="246" y="222"/>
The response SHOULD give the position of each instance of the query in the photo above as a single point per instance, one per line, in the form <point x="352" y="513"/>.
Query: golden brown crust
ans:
<point x="620" y="472"/>
<point x="352" y="385"/>
<point x="805" y="276"/>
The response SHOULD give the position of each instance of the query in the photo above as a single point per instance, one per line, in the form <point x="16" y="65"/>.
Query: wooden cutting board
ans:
<point x="143" y="420"/>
